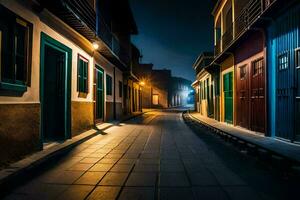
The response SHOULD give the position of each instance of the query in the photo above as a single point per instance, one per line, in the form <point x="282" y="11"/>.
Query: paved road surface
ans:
<point x="156" y="156"/>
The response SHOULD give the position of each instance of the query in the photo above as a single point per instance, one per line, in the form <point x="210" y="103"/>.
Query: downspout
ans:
<point x="114" y="104"/>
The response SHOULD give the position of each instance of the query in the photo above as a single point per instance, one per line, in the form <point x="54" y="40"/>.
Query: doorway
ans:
<point x="242" y="87"/>
<point x="228" y="97"/>
<point x="55" y="90"/>
<point x="258" y="96"/>
<point x="99" y="93"/>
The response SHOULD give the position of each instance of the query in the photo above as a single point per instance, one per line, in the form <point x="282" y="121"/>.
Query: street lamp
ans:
<point x="95" y="45"/>
<point x="142" y="83"/>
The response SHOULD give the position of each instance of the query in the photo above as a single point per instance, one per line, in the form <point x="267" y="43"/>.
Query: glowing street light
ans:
<point x="95" y="45"/>
<point x="142" y="83"/>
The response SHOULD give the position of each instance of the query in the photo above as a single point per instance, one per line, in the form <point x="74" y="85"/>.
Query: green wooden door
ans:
<point x="228" y="96"/>
<point x="99" y="95"/>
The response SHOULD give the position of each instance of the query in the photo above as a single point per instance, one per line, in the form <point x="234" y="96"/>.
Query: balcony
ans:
<point x="81" y="16"/>
<point x="247" y="17"/>
<point x="218" y="47"/>
<point x="227" y="37"/>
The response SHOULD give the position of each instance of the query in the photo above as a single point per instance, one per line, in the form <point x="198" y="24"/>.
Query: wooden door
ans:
<point x="242" y="95"/>
<point x="228" y="97"/>
<point x="258" y="96"/>
<point x="54" y="94"/>
<point x="99" y="94"/>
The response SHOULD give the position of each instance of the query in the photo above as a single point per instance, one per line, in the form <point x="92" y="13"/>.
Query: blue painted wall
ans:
<point x="282" y="36"/>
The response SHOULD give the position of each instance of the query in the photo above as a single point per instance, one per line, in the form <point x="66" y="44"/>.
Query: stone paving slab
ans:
<point x="156" y="156"/>
<point x="288" y="150"/>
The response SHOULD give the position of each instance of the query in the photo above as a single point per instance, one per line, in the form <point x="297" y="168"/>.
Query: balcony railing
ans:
<point x="249" y="14"/>
<point x="83" y="11"/>
<point x="218" y="47"/>
<point x="81" y="16"/>
<point x="227" y="37"/>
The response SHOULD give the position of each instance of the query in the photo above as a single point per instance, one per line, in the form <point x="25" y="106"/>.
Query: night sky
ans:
<point x="172" y="33"/>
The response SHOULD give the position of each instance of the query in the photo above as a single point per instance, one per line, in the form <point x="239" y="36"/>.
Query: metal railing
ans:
<point x="83" y="10"/>
<point x="218" y="48"/>
<point x="227" y="37"/>
<point x="248" y="15"/>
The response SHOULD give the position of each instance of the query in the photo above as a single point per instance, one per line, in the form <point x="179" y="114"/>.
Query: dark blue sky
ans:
<point x="172" y="33"/>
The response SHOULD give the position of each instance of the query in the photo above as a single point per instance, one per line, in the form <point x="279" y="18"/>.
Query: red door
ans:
<point x="243" y="96"/>
<point x="258" y="96"/>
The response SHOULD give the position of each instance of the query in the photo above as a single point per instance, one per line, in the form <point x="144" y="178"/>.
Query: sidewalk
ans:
<point x="280" y="148"/>
<point x="16" y="171"/>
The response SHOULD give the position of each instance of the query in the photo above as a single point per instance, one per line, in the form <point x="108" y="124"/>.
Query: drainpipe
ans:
<point x="114" y="104"/>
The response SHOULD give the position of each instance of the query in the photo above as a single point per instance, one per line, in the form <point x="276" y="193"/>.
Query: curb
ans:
<point x="17" y="172"/>
<point x="248" y="144"/>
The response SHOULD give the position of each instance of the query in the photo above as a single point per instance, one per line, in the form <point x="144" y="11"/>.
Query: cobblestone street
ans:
<point x="156" y="156"/>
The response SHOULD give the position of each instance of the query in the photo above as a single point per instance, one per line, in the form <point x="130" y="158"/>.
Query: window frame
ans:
<point x="260" y="70"/>
<point x="281" y="55"/>
<point x="109" y="86"/>
<point x="83" y="79"/>
<point x="297" y="58"/>
<point x="245" y="66"/>
<point x="12" y="84"/>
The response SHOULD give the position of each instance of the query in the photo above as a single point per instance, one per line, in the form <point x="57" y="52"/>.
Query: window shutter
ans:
<point x="85" y="77"/>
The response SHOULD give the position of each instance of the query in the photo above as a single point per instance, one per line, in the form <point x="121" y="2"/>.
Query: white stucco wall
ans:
<point x="32" y="93"/>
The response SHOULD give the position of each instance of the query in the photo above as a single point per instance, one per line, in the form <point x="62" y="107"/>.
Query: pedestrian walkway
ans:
<point x="155" y="156"/>
<point x="287" y="150"/>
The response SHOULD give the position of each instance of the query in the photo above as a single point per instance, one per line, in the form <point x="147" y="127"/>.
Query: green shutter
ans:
<point x="85" y="77"/>
<point x="82" y="76"/>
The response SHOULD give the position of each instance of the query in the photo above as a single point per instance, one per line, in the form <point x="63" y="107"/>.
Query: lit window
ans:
<point x="82" y="81"/>
<point x="155" y="99"/>
<point x="283" y="61"/>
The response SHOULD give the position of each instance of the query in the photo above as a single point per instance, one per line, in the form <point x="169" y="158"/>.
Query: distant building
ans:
<point x="155" y="86"/>
<point x="181" y="92"/>
<point x="206" y="87"/>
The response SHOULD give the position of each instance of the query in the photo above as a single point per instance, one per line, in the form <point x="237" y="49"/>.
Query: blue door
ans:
<point x="285" y="39"/>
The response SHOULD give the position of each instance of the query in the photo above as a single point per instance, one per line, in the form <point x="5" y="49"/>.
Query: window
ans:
<point x="155" y="99"/>
<point x="120" y="89"/>
<point x="283" y="61"/>
<point x="82" y="74"/>
<point x="15" y="49"/>
<point x="243" y="72"/>
<point x="108" y="85"/>
<point x="258" y="67"/>
<point x="298" y="58"/>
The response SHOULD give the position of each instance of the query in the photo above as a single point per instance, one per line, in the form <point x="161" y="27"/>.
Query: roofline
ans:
<point x="201" y="57"/>
<point x="216" y="7"/>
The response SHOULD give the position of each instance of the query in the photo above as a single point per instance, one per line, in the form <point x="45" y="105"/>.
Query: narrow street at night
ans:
<point x="149" y="100"/>
<point x="156" y="156"/>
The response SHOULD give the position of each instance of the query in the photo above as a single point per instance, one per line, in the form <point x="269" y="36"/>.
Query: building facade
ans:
<point x="205" y="86"/>
<point x="182" y="94"/>
<point x="256" y="54"/>
<point x="60" y="68"/>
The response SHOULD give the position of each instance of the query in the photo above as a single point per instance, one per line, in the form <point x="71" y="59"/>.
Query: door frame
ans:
<point x="224" y="73"/>
<point x="99" y="68"/>
<point x="46" y="40"/>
